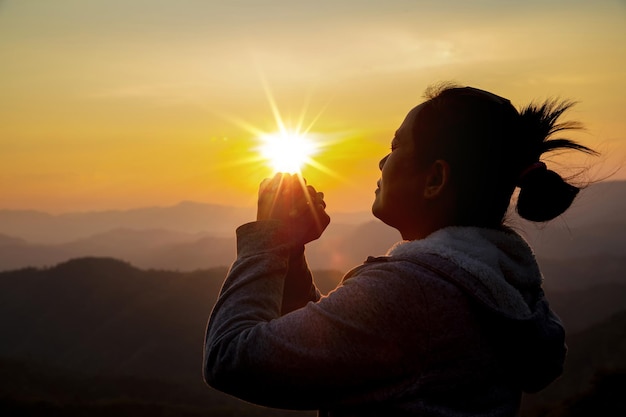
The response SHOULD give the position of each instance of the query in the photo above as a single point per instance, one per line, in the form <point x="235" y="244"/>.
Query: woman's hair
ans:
<point x="492" y="148"/>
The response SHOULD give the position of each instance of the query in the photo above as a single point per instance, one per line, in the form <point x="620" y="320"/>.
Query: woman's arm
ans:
<point x="267" y="343"/>
<point x="299" y="287"/>
<point x="345" y="348"/>
<point x="301" y="210"/>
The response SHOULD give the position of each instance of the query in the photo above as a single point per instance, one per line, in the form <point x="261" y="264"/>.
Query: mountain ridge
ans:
<point x="38" y="227"/>
<point x="192" y="235"/>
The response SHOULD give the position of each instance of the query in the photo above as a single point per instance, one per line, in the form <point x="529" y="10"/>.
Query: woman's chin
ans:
<point x="379" y="213"/>
<point x="376" y="208"/>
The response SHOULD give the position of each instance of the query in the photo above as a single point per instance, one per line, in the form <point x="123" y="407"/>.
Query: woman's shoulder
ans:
<point x="407" y="298"/>
<point x="421" y="279"/>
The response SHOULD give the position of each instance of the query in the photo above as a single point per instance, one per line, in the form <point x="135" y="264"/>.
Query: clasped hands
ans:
<point x="287" y="197"/>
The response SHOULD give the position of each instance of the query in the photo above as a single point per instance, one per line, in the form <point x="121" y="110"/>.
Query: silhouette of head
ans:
<point x="460" y="155"/>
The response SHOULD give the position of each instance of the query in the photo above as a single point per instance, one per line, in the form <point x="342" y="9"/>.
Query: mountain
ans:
<point x="168" y="249"/>
<point x="187" y="217"/>
<point x="105" y="316"/>
<point x="586" y="246"/>
<point x="148" y="248"/>
<point x="344" y="246"/>
<point x="100" y="334"/>
<point x="34" y="389"/>
<point x="598" y="204"/>
<point x="11" y="241"/>
<point x="594" y="225"/>
<point x="580" y="309"/>
<point x="582" y="271"/>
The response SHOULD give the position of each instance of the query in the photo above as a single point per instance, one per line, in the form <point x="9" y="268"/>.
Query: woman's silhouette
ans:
<point x="451" y="322"/>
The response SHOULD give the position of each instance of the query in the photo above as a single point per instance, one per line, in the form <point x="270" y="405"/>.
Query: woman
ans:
<point x="451" y="322"/>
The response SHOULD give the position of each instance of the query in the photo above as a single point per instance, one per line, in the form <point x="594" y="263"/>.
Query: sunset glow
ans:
<point x="115" y="105"/>
<point x="287" y="151"/>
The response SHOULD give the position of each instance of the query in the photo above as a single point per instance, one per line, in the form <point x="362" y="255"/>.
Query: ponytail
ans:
<point x="544" y="194"/>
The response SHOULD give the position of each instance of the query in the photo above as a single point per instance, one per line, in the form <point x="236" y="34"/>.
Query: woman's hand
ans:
<point x="288" y="198"/>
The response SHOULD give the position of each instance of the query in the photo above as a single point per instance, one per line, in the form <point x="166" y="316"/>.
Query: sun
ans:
<point x="287" y="150"/>
<point x="291" y="145"/>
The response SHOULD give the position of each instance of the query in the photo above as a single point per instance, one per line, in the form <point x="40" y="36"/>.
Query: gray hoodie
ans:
<point x="455" y="324"/>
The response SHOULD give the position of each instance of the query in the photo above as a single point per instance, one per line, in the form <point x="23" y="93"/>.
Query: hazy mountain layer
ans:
<point x="190" y="236"/>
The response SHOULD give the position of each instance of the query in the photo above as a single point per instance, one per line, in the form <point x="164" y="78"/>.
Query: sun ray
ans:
<point x="248" y="127"/>
<point x="290" y="148"/>
<point x="273" y="106"/>
<point x="305" y="108"/>
<point x="310" y="203"/>
<point x="316" y="118"/>
<point x="323" y="168"/>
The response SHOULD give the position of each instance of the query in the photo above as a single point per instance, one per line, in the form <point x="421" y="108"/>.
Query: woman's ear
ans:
<point x="437" y="179"/>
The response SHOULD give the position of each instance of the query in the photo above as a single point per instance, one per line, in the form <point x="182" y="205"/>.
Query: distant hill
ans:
<point x="147" y="248"/>
<point x="186" y="217"/>
<point x="580" y="309"/>
<point x="342" y="247"/>
<point x="586" y="246"/>
<point x="582" y="271"/>
<point x="598" y="204"/>
<point x="105" y="321"/>
<point x="11" y="241"/>
<point x="594" y="225"/>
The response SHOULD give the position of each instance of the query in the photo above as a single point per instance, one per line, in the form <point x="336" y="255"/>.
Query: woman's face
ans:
<point x="399" y="196"/>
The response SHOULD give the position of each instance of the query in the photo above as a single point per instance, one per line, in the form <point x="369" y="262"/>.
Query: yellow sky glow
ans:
<point x="120" y="104"/>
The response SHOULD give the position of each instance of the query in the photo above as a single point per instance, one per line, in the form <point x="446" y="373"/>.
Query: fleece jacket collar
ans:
<point x="500" y="260"/>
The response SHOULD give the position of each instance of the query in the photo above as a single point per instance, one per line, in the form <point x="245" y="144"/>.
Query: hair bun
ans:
<point x="544" y="195"/>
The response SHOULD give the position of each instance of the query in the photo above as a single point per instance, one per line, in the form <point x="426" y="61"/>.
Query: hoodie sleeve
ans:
<point x="299" y="288"/>
<point x="327" y="352"/>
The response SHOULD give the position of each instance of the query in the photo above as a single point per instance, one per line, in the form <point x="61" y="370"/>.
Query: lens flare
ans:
<point x="291" y="146"/>
<point x="287" y="151"/>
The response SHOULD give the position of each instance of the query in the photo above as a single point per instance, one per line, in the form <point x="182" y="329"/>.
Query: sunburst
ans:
<point x="288" y="150"/>
<point x="291" y="146"/>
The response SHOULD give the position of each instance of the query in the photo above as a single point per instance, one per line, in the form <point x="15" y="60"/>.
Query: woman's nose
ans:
<point x="381" y="164"/>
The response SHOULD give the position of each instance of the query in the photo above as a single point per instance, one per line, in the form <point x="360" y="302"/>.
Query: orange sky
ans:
<point x="118" y="104"/>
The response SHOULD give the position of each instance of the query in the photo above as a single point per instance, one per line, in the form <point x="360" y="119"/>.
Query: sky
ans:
<point x="117" y="104"/>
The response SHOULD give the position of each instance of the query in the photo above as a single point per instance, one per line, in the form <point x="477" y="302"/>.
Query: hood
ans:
<point x="506" y="274"/>
<point x="498" y="269"/>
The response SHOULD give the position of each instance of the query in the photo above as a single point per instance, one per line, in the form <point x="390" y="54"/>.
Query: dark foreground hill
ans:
<point x="100" y="337"/>
<point x="28" y="388"/>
